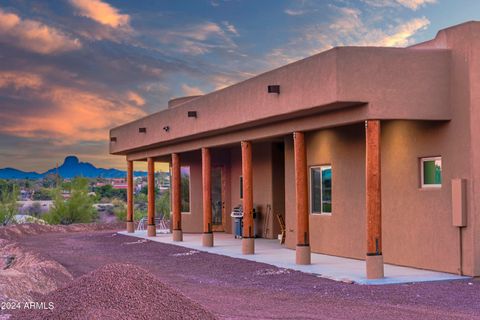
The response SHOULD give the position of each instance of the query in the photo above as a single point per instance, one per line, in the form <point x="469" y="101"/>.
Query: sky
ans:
<point x="72" y="69"/>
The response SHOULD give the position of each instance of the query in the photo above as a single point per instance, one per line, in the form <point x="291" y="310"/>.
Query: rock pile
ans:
<point x="117" y="291"/>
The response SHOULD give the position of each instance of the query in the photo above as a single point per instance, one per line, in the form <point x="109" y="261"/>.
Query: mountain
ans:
<point x="71" y="168"/>
<point x="11" y="173"/>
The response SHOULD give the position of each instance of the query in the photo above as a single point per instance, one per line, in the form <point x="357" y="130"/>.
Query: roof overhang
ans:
<point x="339" y="86"/>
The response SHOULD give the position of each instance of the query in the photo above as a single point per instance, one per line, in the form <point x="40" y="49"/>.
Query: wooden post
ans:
<point x="374" y="258"/>
<point x="248" y="238"/>
<point x="130" y="223"/>
<point x="207" y="239"/>
<point x="151" y="230"/>
<point x="303" y="252"/>
<point x="176" y="198"/>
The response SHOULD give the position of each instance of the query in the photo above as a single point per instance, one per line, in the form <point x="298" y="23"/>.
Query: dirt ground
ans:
<point x="239" y="289"/>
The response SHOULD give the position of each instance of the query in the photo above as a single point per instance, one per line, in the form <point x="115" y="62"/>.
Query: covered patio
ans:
<point x="271" y="252"/>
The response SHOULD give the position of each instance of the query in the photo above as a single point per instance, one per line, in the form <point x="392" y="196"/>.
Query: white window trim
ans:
<point x="422" y="184"/>
<point x="321" y="167"/>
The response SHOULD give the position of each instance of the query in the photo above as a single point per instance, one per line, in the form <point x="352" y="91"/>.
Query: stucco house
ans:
<point x="366" y="152"/>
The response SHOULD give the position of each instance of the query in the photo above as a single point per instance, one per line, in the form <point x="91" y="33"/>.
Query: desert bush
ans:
<point x="76" y="209"/>
<point x="8" y="203"/>
<point x="162" y="206"/>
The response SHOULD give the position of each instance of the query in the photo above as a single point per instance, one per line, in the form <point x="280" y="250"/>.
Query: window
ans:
<point x="431" y="172"/>
<point x="185" y="188"/>
<point x="321" y="189"/>
<point x="241" y="187"/>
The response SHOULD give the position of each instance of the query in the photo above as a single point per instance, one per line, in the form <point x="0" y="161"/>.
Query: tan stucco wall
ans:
<point x="417" y="223"/>
<point x="342" y="232"/>
<point x="263" y="181"/>
<point x="192" y="221"/>
<point x="346" y="76"/>
<point x="464" y="42"/>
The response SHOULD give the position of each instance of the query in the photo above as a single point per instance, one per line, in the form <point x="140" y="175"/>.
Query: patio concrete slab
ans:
<point x="325" y="266"/>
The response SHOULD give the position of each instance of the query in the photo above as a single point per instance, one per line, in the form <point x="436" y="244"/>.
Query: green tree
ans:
<point x="8" y="202"/>
<point x="162" y="206"/>
<point x="42" y="194"/>
<point x="77" y="209"/>
<point x="185" y="187"/>
<point x="108" y="192"/>
<point x="50" y="181"/>
<point x="120" y="210"/>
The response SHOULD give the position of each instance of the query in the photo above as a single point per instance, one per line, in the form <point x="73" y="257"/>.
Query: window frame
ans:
<point x="189" y="190"/>
<point x="422" y="176"/>
<point x="240" y="188"/>
<point x="322" y="168"/>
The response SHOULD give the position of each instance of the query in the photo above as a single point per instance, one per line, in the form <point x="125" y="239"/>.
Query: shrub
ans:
<point x="8" y="203"/>
<point x="77" y="209"/>
<point x="163" y="205"/>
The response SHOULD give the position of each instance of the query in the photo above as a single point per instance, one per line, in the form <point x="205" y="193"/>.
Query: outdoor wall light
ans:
<point x="113" y="139"/>
<point x="166" y="128"/>
<point x="192" y="114"/>
<point x="142" y="130"/>
<point x="274" y="88"/>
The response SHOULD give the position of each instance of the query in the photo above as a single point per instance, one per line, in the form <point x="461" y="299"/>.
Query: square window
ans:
<point x="321" y="189"/>
<point x="431" y="172"/>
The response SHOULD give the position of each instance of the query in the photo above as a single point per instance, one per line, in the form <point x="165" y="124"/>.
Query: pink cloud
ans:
<point x="34" y="36"/>
<point x="73" y="114"/>
<point x="101" y="12"/>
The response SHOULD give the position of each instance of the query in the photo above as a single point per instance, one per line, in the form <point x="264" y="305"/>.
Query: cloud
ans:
<point x="410" y="4"/>
<point x="293" y="12"/>
<point x="200" y="39"/>
<point x="230" y="28"/>
<point x="19" y="80"/>
<point x="34" y="36"/>
<point x="135" y="98"/>
<point x="191" y="91"/>
<point x="415" y="4"/>
<point x="64" y="114"/>
<point x="101" y="12"/>
<point x="348" y="28"/>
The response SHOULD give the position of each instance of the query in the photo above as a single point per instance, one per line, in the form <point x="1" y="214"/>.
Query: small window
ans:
<point x="431" y="172"/>
<point x="321" y="189"/>
<point x="185" y="188"/>
<point x="241" y="187"/>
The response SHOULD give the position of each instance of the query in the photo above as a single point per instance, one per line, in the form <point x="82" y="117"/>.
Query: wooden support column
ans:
<point x="374" y="258"/>
<point x="130" y="223"/>
<point x="176" y="198"/>
<point x="303" y="252"/>
<point x="248" y="237"/>
<point x="207" y="238"/>
<point x="151" y="230"/>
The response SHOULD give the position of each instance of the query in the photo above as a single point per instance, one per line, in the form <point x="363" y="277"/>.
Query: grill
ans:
<point x="237" y="214"/>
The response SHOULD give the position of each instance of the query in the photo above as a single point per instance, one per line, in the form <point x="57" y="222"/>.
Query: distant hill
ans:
<point x="71" y="168"/>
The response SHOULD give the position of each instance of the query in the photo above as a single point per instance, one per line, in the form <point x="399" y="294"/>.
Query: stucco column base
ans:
<point x="130" y="227"/>
<point x="302" y="255"/>
<point x="207" y="239"/>
<point x="151" y="231"/>
<point x="177" y="235"/>
<point x="248" y="245"/>
<point x="374" y="267"/>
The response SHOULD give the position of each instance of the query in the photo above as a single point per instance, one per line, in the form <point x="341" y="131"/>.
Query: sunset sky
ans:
<point x="72" y="69"/>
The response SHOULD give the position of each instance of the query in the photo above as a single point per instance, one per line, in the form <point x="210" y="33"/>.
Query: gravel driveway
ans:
<point x="239" y="289"/>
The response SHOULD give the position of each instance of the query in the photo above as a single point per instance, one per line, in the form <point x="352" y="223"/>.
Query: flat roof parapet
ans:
<point x="181" y="100"/>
